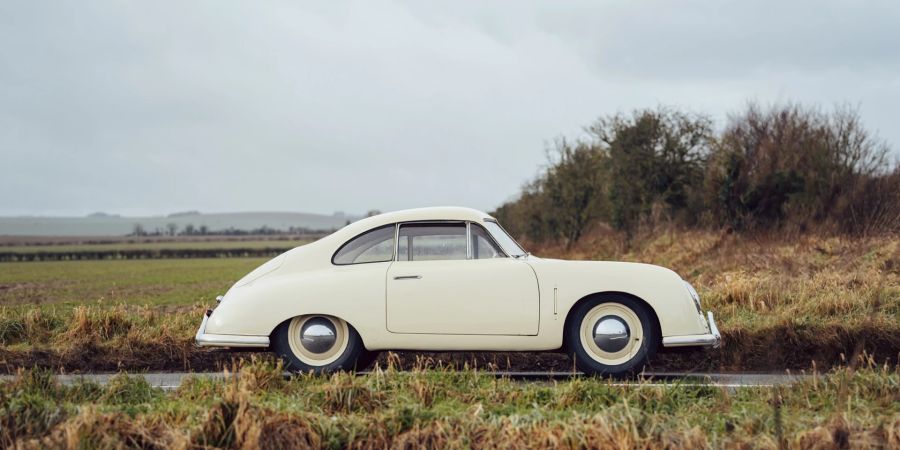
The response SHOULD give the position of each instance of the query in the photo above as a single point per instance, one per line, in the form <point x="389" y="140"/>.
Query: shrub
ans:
<point x="770" y="168"/>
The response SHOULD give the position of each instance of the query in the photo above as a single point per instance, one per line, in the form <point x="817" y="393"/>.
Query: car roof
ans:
<point x="417" y="214"/>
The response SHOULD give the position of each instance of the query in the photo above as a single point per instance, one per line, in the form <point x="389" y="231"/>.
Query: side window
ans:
<point x="432" y="241"/>
<point x="375" y="245"/>
<point x="483" y="247"/>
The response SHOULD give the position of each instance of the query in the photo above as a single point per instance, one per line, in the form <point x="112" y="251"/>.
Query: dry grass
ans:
<point x="94" y="338"/>
<point x="781" y="302"/>
<point x="450" y="409"/>
<point x="788" y="300"/>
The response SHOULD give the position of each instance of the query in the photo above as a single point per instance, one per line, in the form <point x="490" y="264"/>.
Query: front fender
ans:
<point x="659" y="287"/>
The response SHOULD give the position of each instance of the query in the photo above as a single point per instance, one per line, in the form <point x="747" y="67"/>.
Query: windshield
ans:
<point x="508" y="244"/>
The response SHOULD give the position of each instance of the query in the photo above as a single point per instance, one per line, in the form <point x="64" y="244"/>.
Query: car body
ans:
<point x="446" y="279"/>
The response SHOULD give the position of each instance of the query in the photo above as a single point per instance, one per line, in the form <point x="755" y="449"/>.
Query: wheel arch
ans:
<point x="349" y="324"/>
<point x="653" y="315"/>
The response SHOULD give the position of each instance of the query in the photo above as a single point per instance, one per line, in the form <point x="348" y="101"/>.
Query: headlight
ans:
<point x="694" y="295"/>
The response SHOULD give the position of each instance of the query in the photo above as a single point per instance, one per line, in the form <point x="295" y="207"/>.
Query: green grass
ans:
<point x="171" y="245"/>
<point x="131" y="282"/>
<point x="450" y="409"/>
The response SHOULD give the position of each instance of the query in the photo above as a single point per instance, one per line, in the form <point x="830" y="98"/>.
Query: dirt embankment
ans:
<point x="767" y="350"/>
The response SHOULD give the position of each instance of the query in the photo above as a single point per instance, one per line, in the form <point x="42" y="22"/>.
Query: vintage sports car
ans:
<point x="444" y="279"/>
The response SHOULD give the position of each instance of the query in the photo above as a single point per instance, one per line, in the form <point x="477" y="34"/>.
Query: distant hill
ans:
<point x="99" y="224"/>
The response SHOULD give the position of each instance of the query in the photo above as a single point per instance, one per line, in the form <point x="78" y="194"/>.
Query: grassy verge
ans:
<point x="780" y="303"/>
<point x="779" y="300"/>
<point x="448" y="409"/>
<point x="91" y="338"/>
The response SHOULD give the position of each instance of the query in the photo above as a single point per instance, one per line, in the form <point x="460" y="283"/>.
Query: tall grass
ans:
<point x="780" y="301"/>
<point x="431" y="408"/>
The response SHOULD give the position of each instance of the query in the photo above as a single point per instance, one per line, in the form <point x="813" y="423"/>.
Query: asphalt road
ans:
<point x="172" y="380"/>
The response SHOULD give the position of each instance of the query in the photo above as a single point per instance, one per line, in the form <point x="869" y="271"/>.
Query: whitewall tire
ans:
<point x="319" y="344"/>
<point x="611" y="334"/>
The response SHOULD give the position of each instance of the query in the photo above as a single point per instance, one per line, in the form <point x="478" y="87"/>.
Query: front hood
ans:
<point x="607" y="268"/>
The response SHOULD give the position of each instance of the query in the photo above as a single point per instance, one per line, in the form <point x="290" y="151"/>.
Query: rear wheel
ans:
<point x="611" y="335"/>
<point x="319" y="344"/>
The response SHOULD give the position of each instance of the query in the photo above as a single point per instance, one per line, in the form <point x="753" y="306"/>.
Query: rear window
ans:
<point x="376" y="245"/>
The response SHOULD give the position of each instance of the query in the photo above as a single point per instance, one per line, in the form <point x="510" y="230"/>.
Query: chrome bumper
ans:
<point x="203" y="339"/>
<point x="713" y="339"/>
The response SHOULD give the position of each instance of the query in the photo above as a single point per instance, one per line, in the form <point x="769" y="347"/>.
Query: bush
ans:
<point x="656" y="160"/>
<point x="770" y="168"/>
<point x="794" y="165"/>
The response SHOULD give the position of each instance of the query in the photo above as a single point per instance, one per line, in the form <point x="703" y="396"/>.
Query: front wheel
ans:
<point x="611" y="335"/>
<point x="319" y="344"/>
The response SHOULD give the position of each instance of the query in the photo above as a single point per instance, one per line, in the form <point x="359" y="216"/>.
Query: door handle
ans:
<point x="408" y="277"/>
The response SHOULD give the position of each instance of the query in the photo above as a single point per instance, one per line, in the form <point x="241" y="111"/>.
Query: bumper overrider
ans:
<point x="204" y="339"/>
<point x="712" y="339"/>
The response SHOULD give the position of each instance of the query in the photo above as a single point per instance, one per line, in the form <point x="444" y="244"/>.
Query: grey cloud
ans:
<point x="155" y="107"/>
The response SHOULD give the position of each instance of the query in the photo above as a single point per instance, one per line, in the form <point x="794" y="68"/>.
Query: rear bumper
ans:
<point x="713" y="339"/>
<point x="204" y="339"/>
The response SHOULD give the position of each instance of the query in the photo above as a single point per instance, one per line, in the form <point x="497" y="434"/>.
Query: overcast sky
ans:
<point x="153" y="107"/>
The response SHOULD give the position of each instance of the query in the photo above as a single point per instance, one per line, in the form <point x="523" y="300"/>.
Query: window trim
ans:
<point x="469" y="255"/>
<point x="491" y="237"/>
<point x="495" y="222"/>
<point x="469" y="249"/>
<point x="393" y="249"/>
<point x="418" y="222"/>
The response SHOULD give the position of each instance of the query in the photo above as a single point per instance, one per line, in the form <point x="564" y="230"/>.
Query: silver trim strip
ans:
<point x="396" y="242"/>
<point x="713" y="339"/>
<point x="203" y="339"/>
<point x="468" y="240"/>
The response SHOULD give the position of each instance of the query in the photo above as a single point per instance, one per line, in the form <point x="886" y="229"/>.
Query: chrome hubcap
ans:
<point x="611" y="334"/>
<point x="318" y="335"/>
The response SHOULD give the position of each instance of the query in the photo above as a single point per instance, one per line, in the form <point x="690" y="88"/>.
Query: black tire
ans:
<point x="616" y="310"/>
<point x="366" y="360"/>
<point x="353" y="356"/>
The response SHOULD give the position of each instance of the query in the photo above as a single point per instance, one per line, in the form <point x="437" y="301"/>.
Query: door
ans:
<point x="444" y="282"/>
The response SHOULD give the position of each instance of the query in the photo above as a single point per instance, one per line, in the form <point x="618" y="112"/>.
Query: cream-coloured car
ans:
<point x="443" y="279"/>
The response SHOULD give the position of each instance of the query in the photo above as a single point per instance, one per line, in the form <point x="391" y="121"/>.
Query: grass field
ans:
<point x="175" y="249"/>
<point x="171" y="282"/>
<point x="780" y="303"/>
<point x="449" y="409"/>
<point x="157" y="245"/>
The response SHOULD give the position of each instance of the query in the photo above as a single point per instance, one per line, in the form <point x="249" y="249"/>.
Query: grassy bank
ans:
<point x="780" y="303"/>
<point x="449" y="409"/>
<point x="782" y="299"/>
